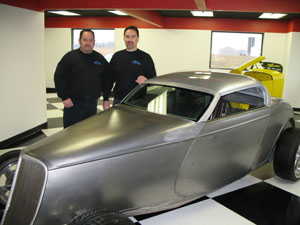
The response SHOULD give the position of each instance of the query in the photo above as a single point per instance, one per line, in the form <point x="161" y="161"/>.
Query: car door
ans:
<point x="226" y="146"/>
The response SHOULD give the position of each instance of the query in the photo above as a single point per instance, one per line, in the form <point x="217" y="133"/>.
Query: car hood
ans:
<point x="116" y="131"/>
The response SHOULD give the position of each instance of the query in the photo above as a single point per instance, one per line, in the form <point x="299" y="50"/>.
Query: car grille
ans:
<point x="27" y="192"/>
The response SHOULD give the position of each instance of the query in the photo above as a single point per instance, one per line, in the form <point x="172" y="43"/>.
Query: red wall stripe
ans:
<point x="279" y="26"/>
<point x="294" y="25"/>
<point x="26" y="4"/>
<point x="241" y="25"/>
<point x="228" y="5"/>
<point x="118" y="4"/>
<point x="254" y="5"/>
<point x="94" y="22"/>
<point x="238" y="25"/>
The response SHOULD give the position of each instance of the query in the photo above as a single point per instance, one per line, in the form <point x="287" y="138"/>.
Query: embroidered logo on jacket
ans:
<point x="135" y="62"/>
<point x="97" y="63"/>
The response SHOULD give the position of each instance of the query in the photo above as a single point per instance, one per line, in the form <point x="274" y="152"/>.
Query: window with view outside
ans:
<point x="171" y="101"/>
<point x="230" y="50"/>
<point x="104" y="41"/>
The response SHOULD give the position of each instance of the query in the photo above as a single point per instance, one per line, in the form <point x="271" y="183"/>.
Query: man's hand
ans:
<point x="141" y="79"/>
<point x="106" y="105"/>
<point x="68" y="103"/>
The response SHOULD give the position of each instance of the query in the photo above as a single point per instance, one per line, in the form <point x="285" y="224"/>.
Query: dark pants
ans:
<point x="80" y="111"/>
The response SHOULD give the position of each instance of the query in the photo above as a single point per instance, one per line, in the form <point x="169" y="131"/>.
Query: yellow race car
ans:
<point x="269" y="73"/>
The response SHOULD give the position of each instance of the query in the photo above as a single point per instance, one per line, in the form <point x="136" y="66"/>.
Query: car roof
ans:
<point x="210" y="82"/>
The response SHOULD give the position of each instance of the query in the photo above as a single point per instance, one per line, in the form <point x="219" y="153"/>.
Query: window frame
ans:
<point x="75" y="42"/>
<point x="217" y="112"/>
<point x="194" y="115"/>
<point x="230" y="32"/>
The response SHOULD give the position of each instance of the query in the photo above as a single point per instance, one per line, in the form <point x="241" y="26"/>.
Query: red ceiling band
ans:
<point x="239" y="25"/>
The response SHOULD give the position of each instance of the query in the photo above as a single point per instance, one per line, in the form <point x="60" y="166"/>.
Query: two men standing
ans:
<point x="82" y="75"/>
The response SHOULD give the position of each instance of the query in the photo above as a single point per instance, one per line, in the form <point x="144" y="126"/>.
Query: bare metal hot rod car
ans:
<point x="171" y="140"/>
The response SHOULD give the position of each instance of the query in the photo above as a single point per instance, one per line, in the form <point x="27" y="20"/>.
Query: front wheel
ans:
<point x="8" y="165"/>
<point x="101" y="216"/>
<point x="287" y="155"/>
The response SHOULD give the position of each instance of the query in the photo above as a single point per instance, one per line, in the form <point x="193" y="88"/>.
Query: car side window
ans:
<point x="171" y="101"/>
<point x="240" y="101"/>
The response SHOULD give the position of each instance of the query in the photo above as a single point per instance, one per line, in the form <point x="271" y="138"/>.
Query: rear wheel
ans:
<point x="101" y="216"/>
<point x="287" y="155"/>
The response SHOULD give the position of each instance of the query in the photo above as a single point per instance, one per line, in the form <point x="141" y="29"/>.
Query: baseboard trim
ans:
<point x="18" y="139"/>
<point x="50" y="90"/>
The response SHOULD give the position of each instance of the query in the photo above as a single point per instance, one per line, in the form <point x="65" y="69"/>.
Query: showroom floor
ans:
<point x="258" y="198"/>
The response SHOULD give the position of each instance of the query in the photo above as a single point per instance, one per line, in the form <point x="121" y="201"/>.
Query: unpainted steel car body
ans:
<point x="150" y="152"/>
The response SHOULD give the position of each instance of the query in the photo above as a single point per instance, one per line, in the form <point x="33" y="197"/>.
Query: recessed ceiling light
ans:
<point x="65" y="13"/>
<point x="119" y="13"/>
<point x="203" y="13"/>
<point x="272" y="15"/>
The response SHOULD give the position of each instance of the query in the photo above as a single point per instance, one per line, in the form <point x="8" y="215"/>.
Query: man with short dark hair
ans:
<point x="79" y="78"/>
<point x="127" y="68"/>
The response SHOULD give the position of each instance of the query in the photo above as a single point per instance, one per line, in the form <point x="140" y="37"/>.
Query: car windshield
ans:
<point x="171" y="101"/>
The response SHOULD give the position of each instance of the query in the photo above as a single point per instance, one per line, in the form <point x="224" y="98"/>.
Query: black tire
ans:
<point x="286" y="157"/>
<point x="101" y="216"/>
<point x="8" y="165"/>
<point x="292" y="212"/>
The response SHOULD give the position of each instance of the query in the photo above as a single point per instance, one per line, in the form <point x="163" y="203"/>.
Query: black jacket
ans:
<point x="124" y="69"/>
<point x="80" y="76"/>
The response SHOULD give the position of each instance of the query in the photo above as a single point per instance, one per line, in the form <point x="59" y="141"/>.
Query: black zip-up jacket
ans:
<point x="80" y="76"/>
<point x="124" y="69"/>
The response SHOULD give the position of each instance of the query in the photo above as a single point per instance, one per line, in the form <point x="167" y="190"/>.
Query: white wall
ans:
<point x="171" y="50"/>
<point x="22" y="71"/>
<point x="178" y="50"/>
<point x="292" y="81"/>
<point x="274" y="48"/>
<point x="286" y="61"/>
<point x="57" y="43"/>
